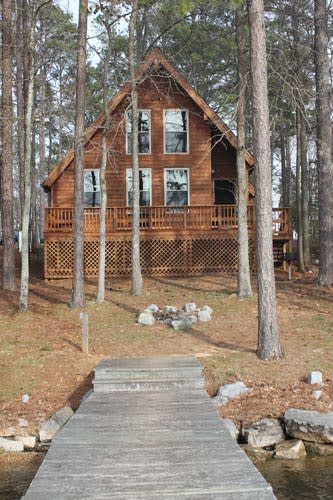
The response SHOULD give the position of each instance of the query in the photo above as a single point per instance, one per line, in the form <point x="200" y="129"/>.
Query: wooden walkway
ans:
<point x="148" y="432"/>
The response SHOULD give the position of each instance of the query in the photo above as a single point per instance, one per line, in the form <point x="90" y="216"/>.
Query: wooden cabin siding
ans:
<point x="157" y="97"/>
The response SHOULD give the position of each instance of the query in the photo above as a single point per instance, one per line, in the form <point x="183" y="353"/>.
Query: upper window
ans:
<point x="92" y="188"/>
<point x="176" y="186"/>
<point x="175" y="131"/>
<point x="143" y="131"/>
<point x="145" y="186"/>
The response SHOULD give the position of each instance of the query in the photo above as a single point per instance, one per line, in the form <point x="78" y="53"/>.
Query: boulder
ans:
<point x="291" y="449"/>
<point x="146" y="318"/>
<point x="257" y="454"/>
<point x="182" y="323"/>
<point x="22" y="422"/>
<point x="29" y="442"/>
<point x="9" y="445"/>
<point x="152" y="308"/>
<point x="190" y="307"/>
<point x="266" y="432"/>
<point x="207" y="308"/>
<point x="309" y="425"/>
<point x="324" y="450"/>
<point x="171" y="309"/>
<point x="204" y="315"/>
<point x="315" y="378"/>
<point x="229" y="391"/>
<point x="51" y="426"/>
<point x="233" y="431"/>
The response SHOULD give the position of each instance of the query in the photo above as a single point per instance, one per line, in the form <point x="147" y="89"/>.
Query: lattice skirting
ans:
<point x="173" y="257"/>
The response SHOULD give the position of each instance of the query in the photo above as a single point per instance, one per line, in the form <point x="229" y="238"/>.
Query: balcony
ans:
<point x="164" y="219"/>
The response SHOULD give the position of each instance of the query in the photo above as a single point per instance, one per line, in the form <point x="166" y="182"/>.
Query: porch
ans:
<point x="172" y="219"/>
<point x="174" y="240"/>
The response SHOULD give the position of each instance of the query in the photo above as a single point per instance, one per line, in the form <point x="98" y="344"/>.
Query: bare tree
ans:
<point x="136" y="267"/>
<point x="32" y="15"/>
<point x="244" y="280"/>
<point x="104" y="146"/>
<point x="78" y="296"/>
<point x="268" y="328"/>
<point x="7" y="197"/>
<point x="324" y="145"/>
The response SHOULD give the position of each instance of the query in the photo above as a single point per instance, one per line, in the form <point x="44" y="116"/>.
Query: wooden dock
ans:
<point x="148" y="431"/>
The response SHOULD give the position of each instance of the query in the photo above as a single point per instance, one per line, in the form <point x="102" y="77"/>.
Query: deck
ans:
<point x="148" y="432"/>
<point x="158" y="220"/>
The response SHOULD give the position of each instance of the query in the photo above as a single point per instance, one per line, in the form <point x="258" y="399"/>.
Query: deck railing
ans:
<point x="164" y="218"/>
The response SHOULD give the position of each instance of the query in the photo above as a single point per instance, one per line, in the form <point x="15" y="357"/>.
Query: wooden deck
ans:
<point x="148" y="432"/>
<point x="155" y="221"/>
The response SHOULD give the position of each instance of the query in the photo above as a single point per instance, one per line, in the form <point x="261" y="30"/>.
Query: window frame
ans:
<point x="187" y="131"/>
<point x="165" y="185"/>
<point x="129" y="169"/>
<point x="126" y="131"/>
<point x="97" y="205"/>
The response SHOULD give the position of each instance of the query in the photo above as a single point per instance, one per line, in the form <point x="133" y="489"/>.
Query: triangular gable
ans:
<point x="157" y="58"/>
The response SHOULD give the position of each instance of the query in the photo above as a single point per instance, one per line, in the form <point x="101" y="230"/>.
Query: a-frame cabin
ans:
<point x="187" y="186"/>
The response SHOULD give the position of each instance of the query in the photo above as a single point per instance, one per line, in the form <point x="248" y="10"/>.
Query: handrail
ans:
<point x="164" y="218"/>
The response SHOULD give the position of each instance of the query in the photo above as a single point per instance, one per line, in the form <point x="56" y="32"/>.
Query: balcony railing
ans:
<point x="164" y="218"/>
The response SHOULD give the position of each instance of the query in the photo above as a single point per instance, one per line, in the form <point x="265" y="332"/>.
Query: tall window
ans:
<point x="175" y="131"/>
<point x="145" y="186"/>
<point x="143" y="131"/>
<point x="92" y="188"/>
<point x="176" y="186"/>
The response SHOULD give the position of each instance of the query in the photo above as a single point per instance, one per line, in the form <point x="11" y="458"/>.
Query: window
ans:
<point x="145" y="186"/>
<point x="175" y="131"/>
<point x="143" y="132"/>
<point x="176" y="186"/>
<point x="92" y="189"/>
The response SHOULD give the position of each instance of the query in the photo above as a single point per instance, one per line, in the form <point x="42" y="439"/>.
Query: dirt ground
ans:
<point x="40" y="352"/>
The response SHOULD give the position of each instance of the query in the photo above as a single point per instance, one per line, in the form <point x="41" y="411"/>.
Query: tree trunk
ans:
<point x="300" y="259"/>
<point x="78" y="296"/>
<point x="243" y="276"/>
<point x="268" y="329"/>
<point x="23" y="304"/>
<point x="102" y="232"/>
<point x="20" y="99"/>
<point x="305" y="196"/>
<point x="136" y="267"/>
<point x="324" y="146"/>
<point x="7" y="196"/>
<point x="42" y="155"/>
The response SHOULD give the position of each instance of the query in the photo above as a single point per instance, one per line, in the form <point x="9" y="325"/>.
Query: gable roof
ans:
<point x="156" y="58"/>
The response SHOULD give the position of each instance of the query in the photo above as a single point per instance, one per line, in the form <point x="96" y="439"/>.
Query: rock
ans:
<point x="204" y="315"/>
<point x="9" y="445"/>
<point x="193" y="318"/>
<point x="22" y="422"/>
<point x="315" y="378"/>
<point x="152" y="308"/>
<point x="51" y="426"/>
<point x="317" y="394"/>
<point x="10" y="431"/>
<point x="229" y="391"/>
<point x="309" y="425"/>
<point x="146" y="318"/>
<point x="29" y="442"/>
<point x="234" y="432"/>
<point x="182" y="323"/>
<point x="323" y="450"/>
<point x="291" y="449"/>
<point x="257" y="454"/>
<point x="190" y="307"/>
<point x="207" y="308"/>
<point x="171" y="309"/>
<point x="267" y="432"/>
<point x="25" y="398"/>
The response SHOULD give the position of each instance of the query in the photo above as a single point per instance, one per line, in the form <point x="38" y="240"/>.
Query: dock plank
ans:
<point x="157" y="444"/>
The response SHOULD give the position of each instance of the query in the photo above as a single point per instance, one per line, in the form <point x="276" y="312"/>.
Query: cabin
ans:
<point x="188" y="186"/>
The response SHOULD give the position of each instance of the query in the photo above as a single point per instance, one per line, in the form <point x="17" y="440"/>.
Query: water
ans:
<point x="309" y="478"/>
<point x="16" y="473"/>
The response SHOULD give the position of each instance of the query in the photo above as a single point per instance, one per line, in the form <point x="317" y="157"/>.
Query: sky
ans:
<point x="71" y="6"/>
